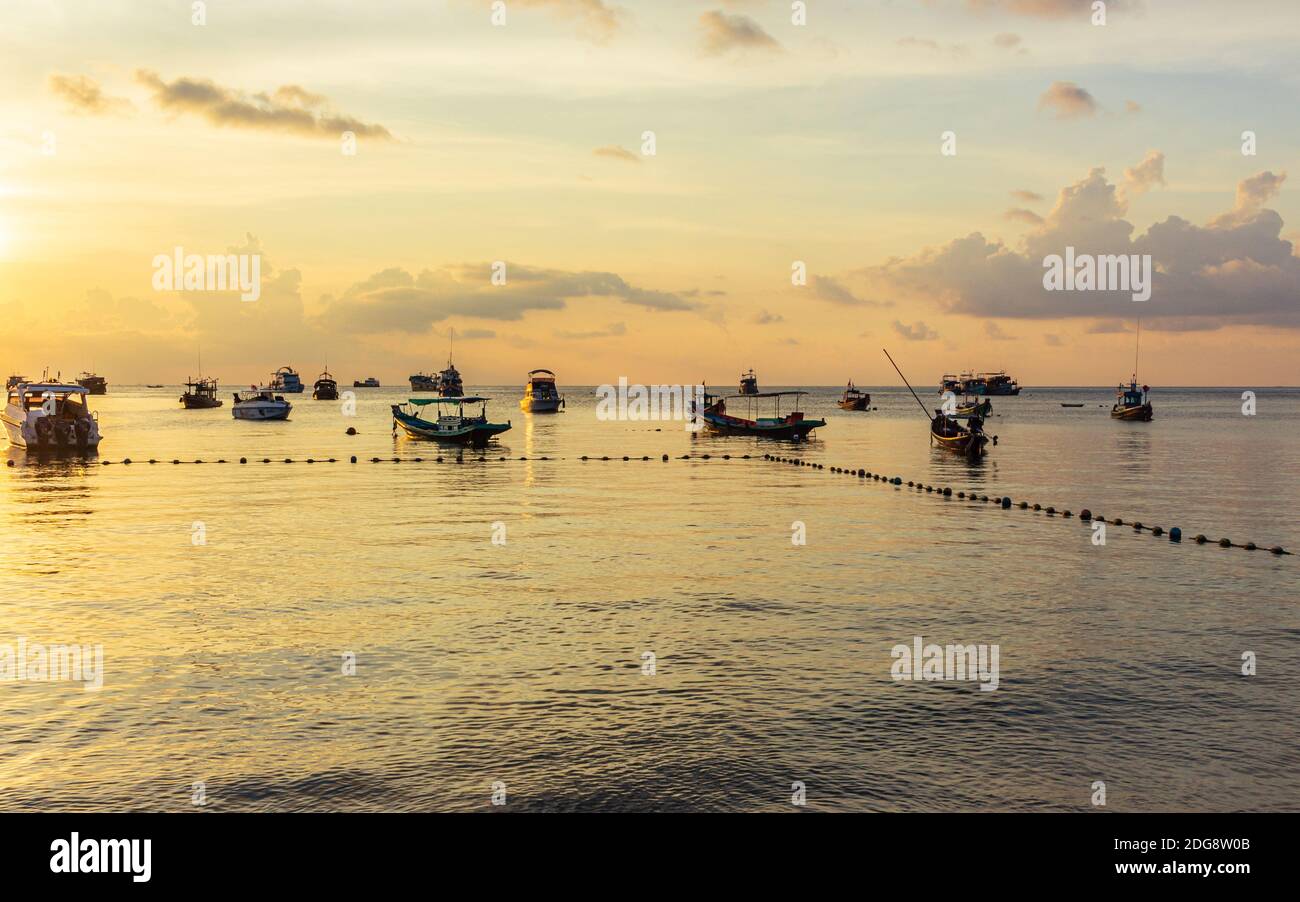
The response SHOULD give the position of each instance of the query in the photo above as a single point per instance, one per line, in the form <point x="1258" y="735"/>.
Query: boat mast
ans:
<point x="1137" y="349"/>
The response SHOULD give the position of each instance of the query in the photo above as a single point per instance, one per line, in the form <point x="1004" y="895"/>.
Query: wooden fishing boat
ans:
<point x="854" y="399"/>
<point x="947" y="430"/>
<point x="200" y="394"/>
<point x="451" y="428"/>
<point x="972" y="408"/>
<point x="1131" y="403"/>
<point x="792" y="425"/>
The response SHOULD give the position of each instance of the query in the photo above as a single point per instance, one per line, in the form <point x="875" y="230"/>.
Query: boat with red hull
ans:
<point x="792" y="425"/>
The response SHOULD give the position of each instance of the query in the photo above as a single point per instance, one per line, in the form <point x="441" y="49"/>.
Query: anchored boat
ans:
<point x="368" y="382"/>
<point x="326" y="387"/>
<point x="946" y="429"/>
<point x="792" y="425"/>
<point x="969" y="407"/>
<point x="49" y="415"/>
<point x="200" y="394"/>
<point x="260" y="404"/>
<point x="286" y="380"/>
<point x="748" y="383"/>
<point x="854" y="399"/>
<point x="1131" y="403"/>
<point x="96" y="385"/>
<point x="452" y="428"/>
<point x="423" y="381"/>
<point x="540" y="394"/>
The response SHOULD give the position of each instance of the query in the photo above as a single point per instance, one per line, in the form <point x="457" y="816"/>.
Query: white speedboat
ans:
<point x="50" y="415"/>
<point x="260" y="404"/>
<point x="540" y="395"/>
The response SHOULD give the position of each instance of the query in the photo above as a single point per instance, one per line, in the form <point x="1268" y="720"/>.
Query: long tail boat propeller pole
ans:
<point x="924" y="409"/>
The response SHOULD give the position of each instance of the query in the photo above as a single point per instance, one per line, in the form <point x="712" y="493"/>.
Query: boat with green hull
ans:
<point x="450" y="428"/>
<point x="792" y="425"/>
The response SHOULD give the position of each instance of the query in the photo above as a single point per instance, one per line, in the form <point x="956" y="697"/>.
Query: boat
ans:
<point x="286" y="380"/>
<point x="368" y="382"/>
<point x="1131" y="403"/>
<point x="158" y="385"/>
<point x="748" y="383"/>
<point x="260" y="404"/>
<point x="950" y="383"/>
<point x="946" y="429"/>
<point x="326" y="387"/>
<point x="998" y="384"/>
<point x="49" y="415"/>
<point x="1072" y="404"/>
<point x="423" y="381"/>
<point x="449" y="384"/>
<point x="452" y="428"/>
<point x="540" y="395"/>
<point x="201" y="394"/>
<point x="969" y="407"/>
<point x="854" y="399"/>
<point x="96" y="385"/>
<point x="792" y="425"/>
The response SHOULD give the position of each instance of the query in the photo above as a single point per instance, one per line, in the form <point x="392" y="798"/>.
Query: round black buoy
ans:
<point x="1038" y="507"/>
<point x="1157" y="531"/>
<point x="1175" y="534"/>
<point x="1250" y="546"/>
<point x="665" y="457"/>
<point x="1023" y="505"/>
<point x="242" y="460"/>
<point x="1066" y="514"/>
<point x="126" y="460"/>
<point x="1138" y="526"/>
<point x="266" y="460"/>
<point x="352" y="430"/>
<point x="9" y="463"/>
<point x="1006" y="502"/>
<point x="1278" y="549"/>
<point x="1201" y="539"/>
<point x="1118" y="521"/>
<point x="353" y="459"/>
<point x="947" y="492"/>
<point x="310" y="461"/>
<point x="288" y="460"/>
<point x="1085" y="514"/>
<point x="1051" y="510"/>
<point x="1225" y="543"/>
<point x="961" y="494"/>
<point x="625" y="457"/>
<point x="863" y="474"/>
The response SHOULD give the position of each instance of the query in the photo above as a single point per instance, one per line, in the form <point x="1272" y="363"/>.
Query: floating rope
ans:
<point x="1005" y="503"/>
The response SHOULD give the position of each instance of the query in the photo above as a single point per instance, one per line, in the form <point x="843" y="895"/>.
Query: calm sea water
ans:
<point x="480" y="663"/>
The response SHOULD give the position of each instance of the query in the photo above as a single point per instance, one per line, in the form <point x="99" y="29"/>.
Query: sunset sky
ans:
<point x="127" y="130"/>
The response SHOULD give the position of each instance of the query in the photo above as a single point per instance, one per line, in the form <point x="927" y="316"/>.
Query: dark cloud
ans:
<point x="919" y="331"/>
<point x="1235" y="269"/>
<point x="614" y="152"/>
<point x="289" y="108"/>
<point x="393" y="300"/>
<point x="724" y="32"/>
<point x="829" y="289"/>
<point x="1068" y="101"/>
<point x="1019" y="214"/>
<point x="84" y="95"/>
<point x="1028" y="197"/>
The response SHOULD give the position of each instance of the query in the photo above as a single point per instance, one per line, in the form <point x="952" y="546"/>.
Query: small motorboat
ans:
<point x="326" y="387"/>
<point x="854" y="399"/>
<point x="286" y="380"/>
<point x="748" y="383"/>
<point x="368" y="382"/>
<point x="452" y="428"/>
<point x="50" y="415"/>
<point x="792" y="425"/>
<point x="260" y="404"/>
<point x="96" y="385"/>
<point x="540" y="394"/>
<point x="1132" y="403"/>
<point x="200" y="394"/>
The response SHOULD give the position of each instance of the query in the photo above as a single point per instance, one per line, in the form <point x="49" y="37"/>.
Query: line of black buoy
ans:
<point x="1005" y="503"/>
<point x="460" y="458"/>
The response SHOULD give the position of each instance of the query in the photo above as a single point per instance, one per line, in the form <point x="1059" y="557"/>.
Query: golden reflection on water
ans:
<point x="522" y="662"/>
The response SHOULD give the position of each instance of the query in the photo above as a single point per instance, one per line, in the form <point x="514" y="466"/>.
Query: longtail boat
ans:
<point x="452" y="428"/>
<point x="854" y="398"/>
<point x="969" y="407"/>
<point x="792" y="425"/>
<point x="949" y="433"/>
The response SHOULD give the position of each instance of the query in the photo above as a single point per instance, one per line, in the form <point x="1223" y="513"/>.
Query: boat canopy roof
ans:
<point x="61" y="387"/>
<point x="769" y="394"/>
<point x="472" y="399"/>
<point x="535" y="372"/>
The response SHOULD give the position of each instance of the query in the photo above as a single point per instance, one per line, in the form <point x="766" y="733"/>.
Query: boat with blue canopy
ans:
<point x="791" y="425"/>
<point x="451" y="427"/>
